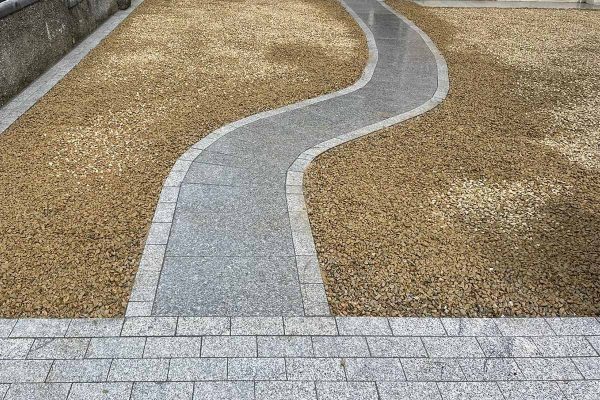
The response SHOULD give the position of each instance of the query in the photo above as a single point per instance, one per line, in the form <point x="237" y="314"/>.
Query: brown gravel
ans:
<point x="80" y="172"/>
<point x="488" y="205"/>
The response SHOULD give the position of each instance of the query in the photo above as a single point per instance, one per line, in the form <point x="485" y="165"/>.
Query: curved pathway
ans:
<point x="237" y="238"/>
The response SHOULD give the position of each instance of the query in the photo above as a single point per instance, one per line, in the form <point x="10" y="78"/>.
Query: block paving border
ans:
<point x="143" y="357"/>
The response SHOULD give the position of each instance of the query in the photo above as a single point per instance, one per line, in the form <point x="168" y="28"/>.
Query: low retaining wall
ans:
<point x="36" y="34"/>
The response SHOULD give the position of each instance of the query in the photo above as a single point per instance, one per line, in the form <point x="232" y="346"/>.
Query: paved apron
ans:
<point x="233" y="247"/>
<point x="230" y="251"/>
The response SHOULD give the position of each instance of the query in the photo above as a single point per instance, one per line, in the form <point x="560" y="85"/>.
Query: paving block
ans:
<point x="257" y="326"/>
<point x="374" y="369"/>
<point x="564" y="346"/>
<point x="6" y="326"/>
<point x="509" y="347"/>
<point x="58" y="348"/>
<point x="229" y="346"/>
<point x="14" y="349"/>
<point x="38" y="391"/>
<point x="470" y="327"/>
<point x="408" y="391"/>
<point x="173" y="347"/>
<point x="548" y="369"/>
<point x="452" y="347"/>
<point x="338" y="346"/>
<point x="116" y="347"/>
<point x="27" y="371"/>
<point x="410" y="326"/>
<point x="364" y="326"/>
<point x="314" y="299"/>
<point x="40" y="328"/>
<point x="169" y="194"/>
<point x="101" y="391"/>
<point x="95" y="327"/>
<point x="308" y="269"/>
<point x="164" y="212"/>
<point x="347" y="391"/>
<point x="432" y="369"/>
<point x="574" y="326"/>
<point x="588" y="366"/>
<point x="581" y="390"/>
<point x="256" y="369"/>
<point x="79" y="370"/>
<point x="310" y="326"/>
<point x="149" y="326"/>
<point x="198" y="369"/>
<point x="595" y="342"/>
<point x="162" y="391"/>
<point x="139" y="308"/>
<point x="3" y="390"/>
<point x="388" y="346"/>
<point x="224" y="390"/>
<point x="152" y="257"/>
<point x="158" y="233"/>
<point x="315" y="369"/>
<point x="531" y="390"/>
<point x="203" y="326"/>
<point x="142" y="370"/>
<point x="470" y="390"/>
<point x="285" y="391"/>
<point x="285" y="346"/>
<point x="490" y="369"/>
<point x="523" y="327"/>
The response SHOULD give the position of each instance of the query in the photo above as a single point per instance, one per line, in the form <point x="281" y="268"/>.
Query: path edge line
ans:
<point x="143" y="293"/>
<point x="303" y="239"/>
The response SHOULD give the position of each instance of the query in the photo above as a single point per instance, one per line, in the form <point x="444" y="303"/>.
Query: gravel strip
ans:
<point x="81" y="172"/>
<point x="489" y="205"/>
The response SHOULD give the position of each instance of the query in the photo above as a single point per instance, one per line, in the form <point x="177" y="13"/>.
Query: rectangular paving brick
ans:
<point x="257" y="326"/>
<point x="312" y="369"/>
<point x="173" y="347"/>
<point x="523" y="327"/>
<point x="531" y="390"/>
<point x="285" y="346"/>
<point x="200" y="326"/>
<point x="285" y="391"/>
<point x="432" y="369"/>
<point x="337" y="346"/>
<point x="142" y="370"/>
<point x="229" y="346"/>
<point x="95" y="327"/>
<point x="58" y="348"/>
<point x="580" y="390"/>
<point x="490" y="369"/>
<point x="588" y="366"/>
<point x="385" y="346"/>
<point x="366" y="326"/>
<point x="470" y="390"/>
<point x="40" y="328"/>
<point x="374" y="369"/>
<point x="14" y="349"/>
<point x="79" y="370"/>
<point x="6" y="327"/>
<point x="574" y="325"/>
<point x="223" y="390"/>
<point x="470" y="327"/>
<point x="310" y="326"/>
<point x="346" y="391"/>
<point x="548" y="369"/>
<point x="116" y="347"/>
<point x="564" y="346"/>
<point x="256" y="369"/>
<point x="509" y="347"/>
<point x="452" y="347"/>
<point x="15" y="371"/>
<point x="149" y="326"/>
<point x="38" y="391"/>
<point x="162" y="391"/>
<point x="408" y="391"/>
<point x="101" y="391"/>
<point x="198" y="369"/>
<point x="417" y="326"/>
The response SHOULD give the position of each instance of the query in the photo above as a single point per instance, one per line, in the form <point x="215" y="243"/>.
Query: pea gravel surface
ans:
<point x="488" y="205"/>
<point x="81" y="171"/>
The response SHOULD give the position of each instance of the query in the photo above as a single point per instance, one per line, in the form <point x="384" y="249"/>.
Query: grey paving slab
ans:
<point x="313" y="369"/>
<point x="100" y="391"/>
<point x="589" y="390"/>
<point x="116" y="347"/>
<point x="417" y="327"/>
<point x="285" y="346"/>
<point x="256" y="369"/>
<point x="57" y="348"/>
<point x="14" y="348"/>
<point x="198" y="369"/>
<point x="285" y="391"/>
<point x="38" y="391"/>
<point x="588" y="366"/>
<point x="27" y="371"/>
<point x="384" y="346"/>
<point x="432" y="369"/>
<point x="224" y="390"/>
<point x="564" y="346"/>
<point x="340" y="346"/>
<point x="531" y="390"/>
<point x="509" y="347"/>
<point x="95" y="327"/>
<point x="40" y="328"/>
<point x="142" y="370"/>
<point x="490" y="369"/>
<point x="470" y="390"/>
<point x="374" y="369"/>
<point x="408" y="391"/>
<point x="548" y="369"/>
<point x="347" y="391"/>
<point x="162" y="391"/>
<point x="229" y="346"/>
<point x="172" y="347"/>
<point x="79" y="371"/>
<point x="199" y="326"/>
<point x="6" y="326"/>
<point x="452" y="347"/>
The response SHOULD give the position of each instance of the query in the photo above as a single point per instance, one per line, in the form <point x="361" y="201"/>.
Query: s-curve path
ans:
<point x="234" y="246"/>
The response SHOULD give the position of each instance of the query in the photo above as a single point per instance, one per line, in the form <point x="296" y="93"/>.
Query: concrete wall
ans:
<point x="35" y="37"/>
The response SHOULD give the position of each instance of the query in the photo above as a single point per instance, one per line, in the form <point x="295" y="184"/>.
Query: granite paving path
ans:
<point x="231" y="249"/>
<point x="240" y="310"/>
